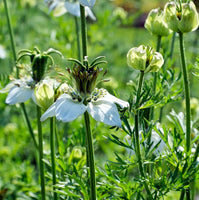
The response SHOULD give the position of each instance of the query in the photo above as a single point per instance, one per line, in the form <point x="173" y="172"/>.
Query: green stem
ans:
<point x="83" y="31"/>
<point x="137" y="138"/>
<point x="182" y="194"/>
<point x="187" y="102"/>
<point x="89" y="143"/>
<point x="155" y="77"/>
<point x="52" y="148"/>
<point x="41" y="164"/>
<point x="29" y="125"/>
<point x="78" y="38"/>
<point x="11" y="34"/>
<point x="187" y="94"/>
<point x="91" y="159"/>
<point x="17" y="75"/>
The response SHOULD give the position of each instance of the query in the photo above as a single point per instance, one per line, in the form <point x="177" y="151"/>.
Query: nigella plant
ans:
<point x="83" y="99"/>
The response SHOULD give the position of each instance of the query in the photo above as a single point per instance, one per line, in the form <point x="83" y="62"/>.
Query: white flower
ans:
<point x="60" y="7"/>
<point x="19" y="90"/>
<point x="101" y="107"/>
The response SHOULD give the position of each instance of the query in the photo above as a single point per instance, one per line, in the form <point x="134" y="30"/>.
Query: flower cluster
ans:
<point x="176" y="16"/>
<point x="145" y="59"/>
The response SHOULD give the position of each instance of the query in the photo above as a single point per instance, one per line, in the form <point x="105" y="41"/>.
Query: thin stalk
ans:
<point x="182" y="194"/>
<point x="52" y="148"/>
<point x="29" y="125"/>
<point x="41" y="164"/>
<point x="137" y="138"/>
<point x="11" y="33"/>
<point x="91" y="159"/>
<point x="78" y="38"/>
<point x="187" y="101"/>
<point x="17" y="75"/>
<point x="187" y="94"/>
<point x="170" y="57"/>
<point x="83" y="31"/>
<point x="155" y="77"/>
<point x="89" y="141"/>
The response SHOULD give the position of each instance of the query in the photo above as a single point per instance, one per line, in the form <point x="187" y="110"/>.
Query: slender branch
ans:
<point x="52" y="148"/>
<point x="41" y="164"/>
<point x="137" y="138"/>
<point x="91" y="159"/>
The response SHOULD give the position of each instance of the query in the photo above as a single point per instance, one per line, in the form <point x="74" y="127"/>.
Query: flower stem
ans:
<point x="52" y="148"/>
<point x="77" y="37"/>
<point x="41" y="164"/>
<point x="137" y="138"/>
<point x="83" y="31"/>
<point x="187" y="102"/>
<point x="29" y="125"/>
<point x="91" y="159"/>
<point x="155" y="77"/>
<point x="187" y="94"/>
<point x="89" y="141"/>
<point x="11" y="33"/>
<point x="17" y="75"/>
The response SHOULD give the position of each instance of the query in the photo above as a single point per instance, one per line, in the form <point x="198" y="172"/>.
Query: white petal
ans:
<point x="50" y="112"/>
<point x="68" y="110"/>
<point x="73" y="8"/>
<point x="109" y="97"/>
<point x="89" y="3"/>
<point x="18" y="95"/>
<point x="59" y="10"/>
<point x="105" y="112"/>
<point x="8" y="87"/>
<point x="89" y="13"/>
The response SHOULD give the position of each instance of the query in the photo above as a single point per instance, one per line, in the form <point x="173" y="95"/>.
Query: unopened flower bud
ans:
<point x="44" y="95"/>
<point x="155" y="23"/>
<point x="144" y="58"/>
<point x="182" y="18"/>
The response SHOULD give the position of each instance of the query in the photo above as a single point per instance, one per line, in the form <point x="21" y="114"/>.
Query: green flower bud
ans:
<point x="182" y="18"/>
<point x="144" y="58"/>
<point x="44" y="95"/>
<point x="155" y="23"/>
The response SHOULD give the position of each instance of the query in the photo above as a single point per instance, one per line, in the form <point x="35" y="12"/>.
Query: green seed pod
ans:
<point x="181" y="18"/>
<point x="155" y="23"/>
<point x="44" y="95"/>
<point x="144" y="58"/>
